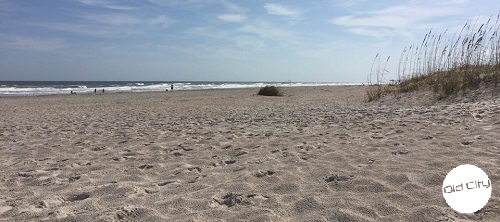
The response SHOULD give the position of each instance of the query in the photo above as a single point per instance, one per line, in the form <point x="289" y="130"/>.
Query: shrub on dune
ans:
<point x="270" y="91"/>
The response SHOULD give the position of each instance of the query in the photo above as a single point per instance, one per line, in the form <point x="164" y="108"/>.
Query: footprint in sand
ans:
<point x="232" y="199"/>
<point x="130" y="212"/>
<point x="4" y="209"/>
<point x="77" y="197"/>
<point x="337" y="178"/>
<point x="478" y="115"/>
<point x="145" y="167"/>
<point x="467" y="142"/>
<point x="161" y="184"/>
<point x="265" y="173"/>
<point x="74" y="178"/>
<point x="367" y="163"/>
<point x="193" y="168"/>
<point x="240" y="153"/>
<point x="400" y="152"/>
<point x="99" y="148"/>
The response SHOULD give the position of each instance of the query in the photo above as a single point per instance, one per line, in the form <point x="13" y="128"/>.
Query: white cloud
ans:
<point x="169" y="3"/>
<point x="27" y="43"/>
<point x="111" y="19"/>
<point x="88" y="29"/>
<point x="232" y="17"/>
<point x="106" y="4"/>
<point x="163" y="21"/>
<point x="415" y="15"/>
<point x="120" y="7"/>
<point x="265" y="30"/>
<point x="278" y="9"/>
<point x="94" y="2"/>
<point x="232" y="7"/>
<point x="207" y="32"/>
<point x="165" y="2"/>
<point x="379" y="33"/>
<point x="270" y="34"/>
<point x="388" y="21"/>
<point x="349" y="2"/>
<point x="248" y="42"/>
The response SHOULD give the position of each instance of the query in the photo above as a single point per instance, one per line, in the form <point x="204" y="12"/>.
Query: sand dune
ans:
<point x="316" y="154"/>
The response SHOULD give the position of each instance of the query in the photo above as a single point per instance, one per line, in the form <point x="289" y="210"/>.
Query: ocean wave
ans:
<point x="142" y="87"/>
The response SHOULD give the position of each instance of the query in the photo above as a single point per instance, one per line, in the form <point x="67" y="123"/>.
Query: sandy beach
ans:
<point x="315" y="154"/>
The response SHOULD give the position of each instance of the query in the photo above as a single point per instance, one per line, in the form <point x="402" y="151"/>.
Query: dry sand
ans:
<point x="316" y="154"/>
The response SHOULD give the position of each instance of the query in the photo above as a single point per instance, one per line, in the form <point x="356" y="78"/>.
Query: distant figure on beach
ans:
<point x="72" y="92"/>
<point x="172" y="87"/>
<point x="95" y="90"/>
<point x="102" y="90"/>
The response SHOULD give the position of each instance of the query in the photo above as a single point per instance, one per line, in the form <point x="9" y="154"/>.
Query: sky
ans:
<point x="217" y="40"/>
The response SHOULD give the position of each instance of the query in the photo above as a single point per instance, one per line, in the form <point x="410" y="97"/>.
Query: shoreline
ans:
<point x="45" y="88"/>
<point x="169" y="91"/>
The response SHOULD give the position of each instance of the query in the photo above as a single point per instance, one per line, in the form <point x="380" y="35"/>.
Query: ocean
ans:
<point x="35" y="88"/>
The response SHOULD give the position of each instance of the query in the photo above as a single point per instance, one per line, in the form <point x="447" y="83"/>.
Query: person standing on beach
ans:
<point x="95" y="90"/>
<point x="172" y="87"/>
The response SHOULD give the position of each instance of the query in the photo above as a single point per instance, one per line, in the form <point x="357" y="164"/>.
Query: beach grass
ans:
<point x="446" y="65"/>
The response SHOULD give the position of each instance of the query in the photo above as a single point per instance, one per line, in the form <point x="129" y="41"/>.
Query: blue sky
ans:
<point x="217" y="40"/>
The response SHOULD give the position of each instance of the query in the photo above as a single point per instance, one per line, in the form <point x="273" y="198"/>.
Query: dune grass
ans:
<point x="270" y="91"/>
<point x="446" y="65"/>
<point x="377" y="89"/>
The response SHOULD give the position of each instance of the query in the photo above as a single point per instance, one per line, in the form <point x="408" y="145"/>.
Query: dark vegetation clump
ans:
<point x="447" y="66"/>
<point x="270" y="91"/>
